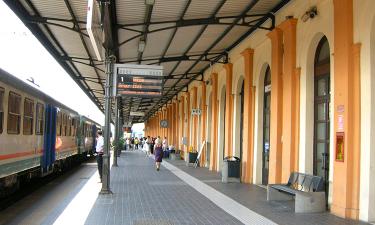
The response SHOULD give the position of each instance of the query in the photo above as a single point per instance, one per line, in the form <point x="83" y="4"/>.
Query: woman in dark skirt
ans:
<point x="158" y="150"/>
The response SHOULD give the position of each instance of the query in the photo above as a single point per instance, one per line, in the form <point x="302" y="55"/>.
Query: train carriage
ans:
<point x="38" y="135"/>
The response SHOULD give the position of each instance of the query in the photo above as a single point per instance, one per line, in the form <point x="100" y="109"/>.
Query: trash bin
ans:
<point x="172" y="152"/>
<point x="231" y="169"/>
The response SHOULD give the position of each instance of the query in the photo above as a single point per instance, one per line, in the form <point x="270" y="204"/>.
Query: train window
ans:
<point x="72" y="127"/>
<point x="58" y="126"/>
<point x="63" y="125"/>
<point x="28" y="116"/>
<point x="14" y="113"/>
<point x="85" y="130"/>
<point x="76" y="128"/>
<point x="66" y="125"/>
<point x="39" y="127"/>
<point x="1" y="109"/>
<point x="69" y="126"/>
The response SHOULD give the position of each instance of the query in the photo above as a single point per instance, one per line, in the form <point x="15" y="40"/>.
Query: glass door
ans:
<point x="321" y="128"/>
<point x="321" y="112"/>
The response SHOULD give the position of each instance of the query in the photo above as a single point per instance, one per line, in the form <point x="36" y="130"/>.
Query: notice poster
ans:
<point x="340" y="123"/>
<point x="340" y="147"/>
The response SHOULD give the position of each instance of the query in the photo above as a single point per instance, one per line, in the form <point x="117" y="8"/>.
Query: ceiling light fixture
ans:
<point x="149" y="2"/>
<point x="141" y="45"/>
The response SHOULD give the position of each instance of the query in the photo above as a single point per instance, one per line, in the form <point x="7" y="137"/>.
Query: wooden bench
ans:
<point x="307" y="190"/>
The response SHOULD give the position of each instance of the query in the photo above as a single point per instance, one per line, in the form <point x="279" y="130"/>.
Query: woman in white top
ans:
<point x="165" y="144"/>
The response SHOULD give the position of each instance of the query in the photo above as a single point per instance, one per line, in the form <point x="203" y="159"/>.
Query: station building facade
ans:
<point x="297" y="98"/>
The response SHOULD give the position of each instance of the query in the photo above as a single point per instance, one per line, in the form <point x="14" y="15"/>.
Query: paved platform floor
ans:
<point x="254" y="198"/>
<point x="176" y="194"/>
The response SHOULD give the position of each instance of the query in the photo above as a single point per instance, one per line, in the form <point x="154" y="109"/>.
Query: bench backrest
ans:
<point x="305" y="182"/>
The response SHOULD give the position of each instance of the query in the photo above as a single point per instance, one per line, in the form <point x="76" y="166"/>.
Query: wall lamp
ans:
<point x="310" y="14"/>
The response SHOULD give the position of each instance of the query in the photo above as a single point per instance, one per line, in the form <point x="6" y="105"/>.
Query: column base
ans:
<point x="105" y="192"/>
<point x="346" y="213"/>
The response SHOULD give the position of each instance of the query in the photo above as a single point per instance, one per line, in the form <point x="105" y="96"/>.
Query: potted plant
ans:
<point x="193" y="154"/>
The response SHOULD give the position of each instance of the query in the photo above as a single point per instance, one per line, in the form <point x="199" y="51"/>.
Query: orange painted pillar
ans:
<point x="346" y="171"/>
<point x="228" y="109"/>
<point x="149" y="127"/>
<point x="203" y="106"/>
<point x="214" y="123"/>
<point x="188" y="116"/>
<point x="162" y="116"/>
<point x="155" y="125"/>
<point x="289" y="151"/>
<point x="170" y="139"/>
<point x="195" y="119"/>
<point x="168" y="114"/>
<point x="275" y="163"/>
<point x="163" y="133"/>
<point x="177" y="125"/>
<point x="157" y="130"/>
<point x="248" y="121"/>
<point x="182" y="121"/>
<point x="166" y="132"/>
<point x="173" y="132"/>
<point x="170" y="127"/>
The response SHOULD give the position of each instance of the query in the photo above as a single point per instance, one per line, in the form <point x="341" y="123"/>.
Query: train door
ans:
<point x="49" y="145"/>
<point x="93" y="132"/>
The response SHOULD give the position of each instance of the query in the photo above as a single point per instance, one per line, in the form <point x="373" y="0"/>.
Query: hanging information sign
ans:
<point x="138" y="80"/>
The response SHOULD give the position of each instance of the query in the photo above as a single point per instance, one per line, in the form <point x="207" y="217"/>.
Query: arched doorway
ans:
<point x="266" y="126"/>
<point x="321" y="111"/>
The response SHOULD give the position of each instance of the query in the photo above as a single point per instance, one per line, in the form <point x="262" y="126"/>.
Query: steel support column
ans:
<point x="117" y="136"/>
<point x="106" y="156"/>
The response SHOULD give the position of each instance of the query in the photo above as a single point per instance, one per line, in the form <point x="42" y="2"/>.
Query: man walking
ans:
<point x="99" y="152"/>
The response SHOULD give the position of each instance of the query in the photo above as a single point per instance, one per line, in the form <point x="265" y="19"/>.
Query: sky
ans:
<point x="22" y="55"/>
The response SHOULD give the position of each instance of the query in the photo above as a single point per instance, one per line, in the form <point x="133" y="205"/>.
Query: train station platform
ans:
<point x="177" y="194"/>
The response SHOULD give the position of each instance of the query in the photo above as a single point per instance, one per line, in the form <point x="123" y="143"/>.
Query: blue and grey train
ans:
<point x="38" y="135"/>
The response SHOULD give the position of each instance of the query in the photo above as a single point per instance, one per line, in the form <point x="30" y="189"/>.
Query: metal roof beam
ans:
<point x="147" y="20"/>
<point x="45" y="21"/>
<point x="222" y="20"/>
<point x="227" y="30"/>
<point x="249" y="32"/>
<point x="175" y="30"/>
<point x="82" y="40"/>
<point x="217" y="9"/>
<point x="23" y="14"/>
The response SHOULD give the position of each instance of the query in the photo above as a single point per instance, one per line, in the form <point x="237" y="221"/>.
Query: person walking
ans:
<point x="132" y="144"/>
<point x="136" y="143"/>
<point x="158" y="150"/>
<point x="99" y="152"/>
<point x="165" y="144"/>
<point x="148" y="145"/>
<point x="165" y="147"/>
<point x="127" y="144"/>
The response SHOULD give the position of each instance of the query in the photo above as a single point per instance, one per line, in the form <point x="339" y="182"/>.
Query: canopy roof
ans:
<point x="184" y="36"/>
